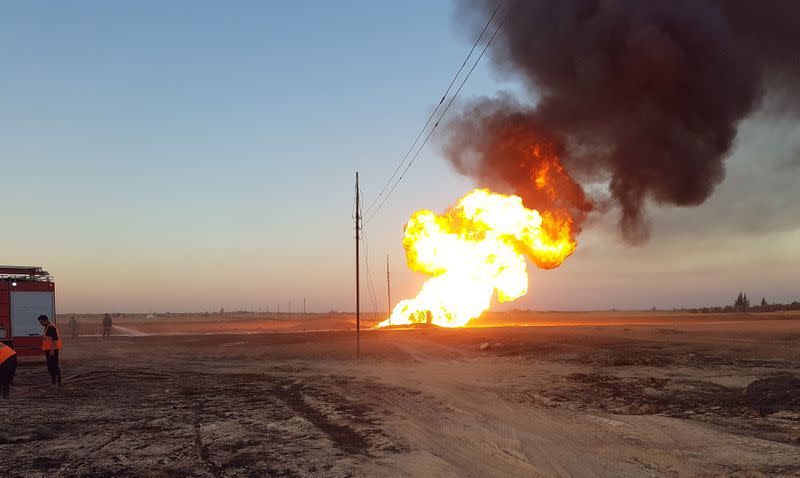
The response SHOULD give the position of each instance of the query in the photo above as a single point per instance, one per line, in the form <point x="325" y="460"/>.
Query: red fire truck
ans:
<point x="26" y="292"/>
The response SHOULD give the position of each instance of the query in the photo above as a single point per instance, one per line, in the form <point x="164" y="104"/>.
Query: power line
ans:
<point x="444" y="112"/>
<point x="433" y="113"/>
<point x="370" y="286"/>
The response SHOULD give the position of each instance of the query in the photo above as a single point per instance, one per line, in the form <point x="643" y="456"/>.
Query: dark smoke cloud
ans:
<point x="647" y="95"/>
<point x="501" y="132"/>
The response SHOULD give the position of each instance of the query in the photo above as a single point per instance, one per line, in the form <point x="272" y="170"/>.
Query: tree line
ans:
<point x="742" y="304"/>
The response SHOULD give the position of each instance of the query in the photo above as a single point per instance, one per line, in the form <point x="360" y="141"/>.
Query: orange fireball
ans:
<point x="475" y="248"/>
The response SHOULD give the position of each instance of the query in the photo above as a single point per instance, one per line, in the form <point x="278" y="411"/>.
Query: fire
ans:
<point x="475" y="248"/>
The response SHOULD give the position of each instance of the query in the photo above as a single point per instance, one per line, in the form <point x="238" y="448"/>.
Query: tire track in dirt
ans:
<point x="344" y="437"/>
<point x="451" y="434"/>
<point x="202" y="451"/>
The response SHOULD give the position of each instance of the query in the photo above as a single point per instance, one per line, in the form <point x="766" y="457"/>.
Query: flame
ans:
<point x="478" y="246"/>
<point x="547" y="173"/>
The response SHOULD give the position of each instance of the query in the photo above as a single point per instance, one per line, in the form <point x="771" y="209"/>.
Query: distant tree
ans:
<point x="763" y="302"/>
<point x="742" y="302"/>
<point x="221" y="311"/>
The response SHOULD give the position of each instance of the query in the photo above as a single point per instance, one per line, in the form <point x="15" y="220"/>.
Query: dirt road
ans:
<point x="688" y="399"/>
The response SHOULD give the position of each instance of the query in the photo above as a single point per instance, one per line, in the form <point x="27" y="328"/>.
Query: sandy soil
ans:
<point x="651" y="395"/>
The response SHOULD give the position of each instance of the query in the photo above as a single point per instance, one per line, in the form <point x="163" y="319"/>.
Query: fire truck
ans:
<point x="26" y="292"/>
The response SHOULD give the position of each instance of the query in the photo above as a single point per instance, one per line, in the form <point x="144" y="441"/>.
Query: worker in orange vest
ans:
<point x="51" y="344"/>
<point x="8" y="367"/>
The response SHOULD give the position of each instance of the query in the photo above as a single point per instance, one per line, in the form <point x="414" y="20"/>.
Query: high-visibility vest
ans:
<point x="48" y="343"/>
<point x="6" y="352"/>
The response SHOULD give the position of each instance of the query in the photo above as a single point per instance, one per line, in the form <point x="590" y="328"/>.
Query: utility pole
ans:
<point x="358" y="295"/>
<point x="388" y="288"/>
<point x="304" y="306"/>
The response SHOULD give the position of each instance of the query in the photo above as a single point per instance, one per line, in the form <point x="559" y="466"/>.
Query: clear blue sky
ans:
<point x="196" y="155"/>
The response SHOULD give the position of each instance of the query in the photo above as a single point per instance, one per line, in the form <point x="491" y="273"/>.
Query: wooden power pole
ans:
<point x="358" y="292"/>
<point x="388" y="288"/>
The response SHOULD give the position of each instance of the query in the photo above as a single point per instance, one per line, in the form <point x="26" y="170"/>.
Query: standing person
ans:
<point x="51" y="344"/>
<point x="8" y="367"/>
<point x="73" y="327"/>
<point x="107" y="324"/>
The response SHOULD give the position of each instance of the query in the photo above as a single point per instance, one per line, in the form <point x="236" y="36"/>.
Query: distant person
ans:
<point x="107" y="324"/>
<point x="73" y="327"/>
<point x="51" y="344"/>
<point x="8" y="367"/>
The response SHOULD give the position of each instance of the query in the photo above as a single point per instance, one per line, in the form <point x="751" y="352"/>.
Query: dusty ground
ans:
<point x="683" y="396"/>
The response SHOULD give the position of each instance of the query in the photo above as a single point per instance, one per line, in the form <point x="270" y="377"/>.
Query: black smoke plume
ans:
<point x="646" y="95"/>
